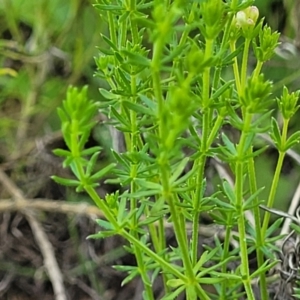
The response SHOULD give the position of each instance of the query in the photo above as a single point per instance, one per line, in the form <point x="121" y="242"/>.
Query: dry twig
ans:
<point x="41" y="238"/>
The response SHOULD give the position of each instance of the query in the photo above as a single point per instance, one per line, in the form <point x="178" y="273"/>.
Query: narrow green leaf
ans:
<point x="83" y="139"/>
<point x="139" y="108"/>
<point x="258" y="152"/>
<point x="91" y="151"/>
<point x="275" y="133"/>
<point x="65" y="181"/>
<point x="119" y="117"/>
<point x="263" y="117"/>
<point x="122" y="209"/>
<point x="224" y="206"/>
<point x="229" y="145"/>
<point x="136" y="59"/>
<point x="264" y="268"/>
<point x="206" y="256"/>
<point x="62" y="152"/>
<point x="102" y="172"/>
<point x="107" y="52"/>
<point x="174" y="283"/>
<point x="229" y="192"/>
<point x="158" y="206"/>
<point x="109" y="42"/>
<point x="64" y="118"/>
<point x="215" y="266"/>
<point x="91" y="164"/>
<point x="106" y="7"/>
<point x="295" y="227"/>
<point x="179" y="169"/>
<point x="142" y="193"/>
<point x="125" y="79"/>
<point x="222" y="89"/>
<point x="274" y="227"/>
<point x="225" y="275"/>
<point x="148" y="184"/>
<point x="129" y="278"/>
<point x="249" y="201"/>
<point x="228" y="59"/>
<point x="174" y="294"/>
<point x="108" y="95"/>
<point x="292" y="140"/>
<point x="212" y="280"/>
<point x="249" y="141"/>
<point x="126" y="268"/>
<point x="119" y="158"/>
<point x="179" y="50"/>
<point x="101" y="235"/>
<point x="104" y="224"/>
<point x="149" y="102"/>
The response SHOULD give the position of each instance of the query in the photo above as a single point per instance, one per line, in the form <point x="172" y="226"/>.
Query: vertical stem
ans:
<point x="225" y="254"/>
<point x="234" y="4"/>
<point x="164" y="167"/>
<point x="276" y="177"/>
<point x="259" y="236"/>
<point x="200" y="163"/>
<point x="242" y="233"/>
<point x="239" y="188"/>
<point x="133" y="166"/>
<point x="245" y="63"/>
<point x="112" y="28"/>
<point x="252" y="178"/>
<point x="236" y="69"/>
<point x="257" y="68"/>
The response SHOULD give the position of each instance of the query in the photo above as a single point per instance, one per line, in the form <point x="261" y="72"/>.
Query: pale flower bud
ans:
<point x="240" y="19"/>
<point x="246" y="19"/>
<point x="252" y="13"/>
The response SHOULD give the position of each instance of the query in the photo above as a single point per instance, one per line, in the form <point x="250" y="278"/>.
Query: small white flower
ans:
<point x="240" y="19"/>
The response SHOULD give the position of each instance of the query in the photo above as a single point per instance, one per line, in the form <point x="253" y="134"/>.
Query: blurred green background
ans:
<point x="50" y="44"/>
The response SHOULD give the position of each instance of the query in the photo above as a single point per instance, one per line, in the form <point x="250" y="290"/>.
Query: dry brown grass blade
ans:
<point x="41" y="238"/>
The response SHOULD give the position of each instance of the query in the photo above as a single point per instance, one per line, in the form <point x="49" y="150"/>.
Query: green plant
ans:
<point x="165" y="62"/>
<point x="50" y="46"/>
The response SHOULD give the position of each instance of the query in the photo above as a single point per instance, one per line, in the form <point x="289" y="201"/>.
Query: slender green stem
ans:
<point x="171" y="200"/>
<point x="236" y="69"/>
<point x="143" y="269"/>
<point x="200" y="163"/>
<point x="225" y="38"/>
<point x="103" y="207"/>
<point x="112" y="28"/>
<point x="259" y="236"/>
<point x="162" y="246"/>
<point x="225" y="254"/>
<point x="252" y="177"/>
<point x="224" y="45"/>
<point x="239" y="188"/>
<point x="215" y="130"/>
<point x="157" y="50"/>
<point x="245" y="63"/>
<point x="242" y="234"/>
<point x="133" y="166"/>
<point x="158" y="239"/>
<point x="257" y="69"/>
<point x="167" y="267"/>
<point x="234" y="4"/>
<point x="206" y="74"/>
<point x="164" y="167"/>
<point x="276" y="177"/>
